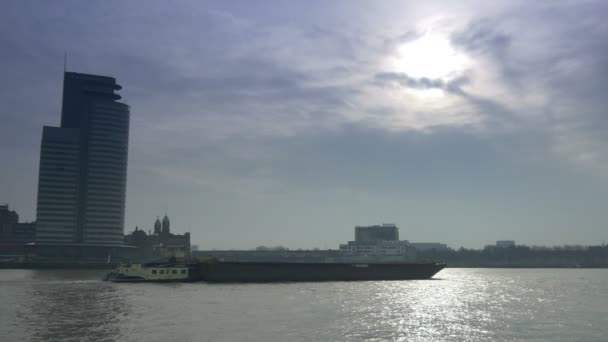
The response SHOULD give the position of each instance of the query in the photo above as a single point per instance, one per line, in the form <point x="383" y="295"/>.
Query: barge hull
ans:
<point x="243" y="272"/>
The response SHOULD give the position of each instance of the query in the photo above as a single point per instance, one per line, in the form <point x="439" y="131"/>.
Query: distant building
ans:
<point x="160" y="243"/>
<point x="8" y="218"/>
<point x="505" y="243"/>
<point x="14" y="234"/>
<point x="429" y="246"/>
<point x="271" y="255"/>
<point x="83" y="167"/>
<point x="377" y="249"/>
<point x="271" y="248"/>
<point x="384" y="232"/>
<point x="379" y="242"/>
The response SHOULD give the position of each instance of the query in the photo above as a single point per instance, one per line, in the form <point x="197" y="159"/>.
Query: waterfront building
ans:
<point x="83" y="166"/>
<point x="270" y="255"/>
<point x="14" y="234"/>
<point x="430" y="246"/>
<point x="386" y="248"/>
<point x="7" y="218"/>
<point x="160" y="243"/>
<point x="384" y="232"/>
<point x="380" y="242"/>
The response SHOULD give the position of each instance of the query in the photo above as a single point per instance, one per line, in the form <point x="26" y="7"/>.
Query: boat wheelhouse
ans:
<point x="152" y="272"/>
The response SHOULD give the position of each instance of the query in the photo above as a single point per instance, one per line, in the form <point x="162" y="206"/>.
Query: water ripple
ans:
<point x="463" y="305"/>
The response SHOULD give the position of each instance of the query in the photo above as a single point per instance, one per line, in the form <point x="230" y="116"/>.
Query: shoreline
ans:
<point x="57" y="266"/>
<point x="108" y="266"/>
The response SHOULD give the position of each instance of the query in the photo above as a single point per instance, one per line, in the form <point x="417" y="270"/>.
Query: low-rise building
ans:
<point x="430" y="246"/>
<point x="14" y="234"/>
<point x="270" y="255"/>
<point x="401" y="249"/>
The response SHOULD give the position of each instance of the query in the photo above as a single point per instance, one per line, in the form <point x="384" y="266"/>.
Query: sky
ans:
<point x="290" y="122"/>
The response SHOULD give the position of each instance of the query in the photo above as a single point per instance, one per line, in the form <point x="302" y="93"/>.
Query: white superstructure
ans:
<point x="150" y="272"/>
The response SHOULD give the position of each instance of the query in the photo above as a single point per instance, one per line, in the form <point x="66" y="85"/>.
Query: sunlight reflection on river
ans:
<point x="460" y="304"/>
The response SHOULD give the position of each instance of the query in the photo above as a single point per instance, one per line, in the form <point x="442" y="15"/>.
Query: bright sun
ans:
<point x="431" y="56"/>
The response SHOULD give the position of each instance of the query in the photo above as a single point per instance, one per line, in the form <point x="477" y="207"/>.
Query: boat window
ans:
<point x="183" y="271"/>
<point x="174" y="271"/>
<point x="162" y="271"/>
<point x="153" y="271"/>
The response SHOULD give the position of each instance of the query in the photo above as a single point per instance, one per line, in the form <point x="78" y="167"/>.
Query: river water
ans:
<point x="458" y="305"/>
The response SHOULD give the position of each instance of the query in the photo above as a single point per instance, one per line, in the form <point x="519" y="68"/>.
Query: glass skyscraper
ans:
<point x="83" y="166"/>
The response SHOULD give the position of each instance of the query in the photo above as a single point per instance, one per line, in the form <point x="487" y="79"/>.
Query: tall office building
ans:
<point x="83" y="166"/>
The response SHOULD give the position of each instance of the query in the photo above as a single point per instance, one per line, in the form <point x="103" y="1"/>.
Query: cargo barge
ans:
<point x="243" y="272"/>
<point x="216" y="271"/>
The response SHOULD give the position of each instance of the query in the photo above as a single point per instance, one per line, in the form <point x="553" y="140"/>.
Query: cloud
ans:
<point x="237" y="102"/>
<point x="550" y="72"/>
<point x="453" y="86"/>
<point x="483" y="37"/>
<point x="410" y="82"/>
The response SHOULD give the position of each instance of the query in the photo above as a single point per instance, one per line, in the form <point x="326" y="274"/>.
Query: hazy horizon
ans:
<point x="289" y="123"/>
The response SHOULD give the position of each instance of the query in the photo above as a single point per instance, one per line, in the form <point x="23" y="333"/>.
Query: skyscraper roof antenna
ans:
<point x="65" y="61"/>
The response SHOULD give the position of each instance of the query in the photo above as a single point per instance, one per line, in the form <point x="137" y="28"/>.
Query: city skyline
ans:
<point x="289" y="124"/>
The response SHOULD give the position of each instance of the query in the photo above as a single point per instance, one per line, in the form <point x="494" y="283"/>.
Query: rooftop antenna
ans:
<point x="65" y="61"/>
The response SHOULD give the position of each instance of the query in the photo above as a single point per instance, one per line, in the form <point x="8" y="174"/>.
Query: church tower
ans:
<point x="157" y="226"/>
<point x="166" y="223"/>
